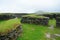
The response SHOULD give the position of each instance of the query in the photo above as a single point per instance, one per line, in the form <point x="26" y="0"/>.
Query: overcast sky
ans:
<point x="29" y="5"/>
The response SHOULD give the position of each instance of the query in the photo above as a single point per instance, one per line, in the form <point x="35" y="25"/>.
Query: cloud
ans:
<point x="28" y="5"/>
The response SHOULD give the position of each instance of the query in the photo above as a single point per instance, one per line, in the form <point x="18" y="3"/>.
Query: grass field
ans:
<point x="32" y="31"/>
<point x="37" y="32"/>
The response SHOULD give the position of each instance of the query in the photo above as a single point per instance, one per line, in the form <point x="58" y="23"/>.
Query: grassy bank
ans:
<point x="8" y="24"/>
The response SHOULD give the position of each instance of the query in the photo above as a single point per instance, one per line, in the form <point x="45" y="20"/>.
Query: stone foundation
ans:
<point x="12" y="35"/>
<point x="58" y="21"/>
<point x="32" y="20"/>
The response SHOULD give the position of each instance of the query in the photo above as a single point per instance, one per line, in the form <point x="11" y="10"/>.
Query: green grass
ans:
<point x="7" y="24"/>
<point x="35" y="16"/>
<point x="56" y="29"/>
<point x="52" y="22"/>
<point x="30" y="31"/>
<point x="37" y="32"/>
<point x="33" y="32"/>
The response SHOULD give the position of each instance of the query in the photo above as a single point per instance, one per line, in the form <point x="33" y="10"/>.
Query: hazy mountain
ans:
<point x="40" y="12"/>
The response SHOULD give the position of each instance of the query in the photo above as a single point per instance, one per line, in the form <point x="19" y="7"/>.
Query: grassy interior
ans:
<point x="37" y="32"/>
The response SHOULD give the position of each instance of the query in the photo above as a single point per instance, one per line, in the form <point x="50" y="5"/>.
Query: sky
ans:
<point x="29" y="6"/>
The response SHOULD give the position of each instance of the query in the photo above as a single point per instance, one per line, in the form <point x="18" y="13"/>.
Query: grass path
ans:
<point x="33" y="32"/>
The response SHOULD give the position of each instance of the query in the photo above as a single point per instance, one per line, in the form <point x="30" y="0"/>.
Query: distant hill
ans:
<point x="40" y="12"/>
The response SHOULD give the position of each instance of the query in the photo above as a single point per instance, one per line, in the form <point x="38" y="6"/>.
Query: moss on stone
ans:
<point x="34" y="16"/>
<point x="8" y="25"/>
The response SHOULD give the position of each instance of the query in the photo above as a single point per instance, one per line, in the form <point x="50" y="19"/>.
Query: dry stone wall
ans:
<point x="32" y="20"/>
<point x="12" y="35"/>
<point x="6" y="17"/>
<point x="58" y="21"/>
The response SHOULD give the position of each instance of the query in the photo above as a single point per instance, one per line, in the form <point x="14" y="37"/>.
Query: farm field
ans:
<point x="37" y="32"/>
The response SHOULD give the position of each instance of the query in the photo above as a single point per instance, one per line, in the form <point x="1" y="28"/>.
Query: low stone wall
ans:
<point x="19" y="15"/>
<point x="48" y="15"/>
<point x="6" y="17"/>
<point x="32" y="20"/>
<point x="58" y="21"/>
<point x="12" y="35"/>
